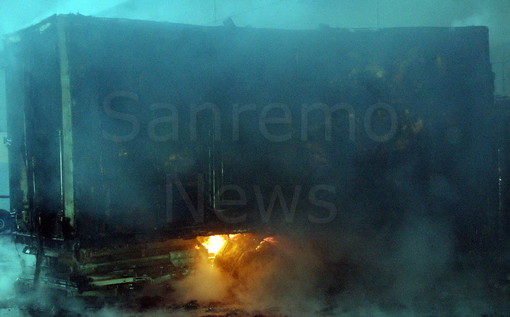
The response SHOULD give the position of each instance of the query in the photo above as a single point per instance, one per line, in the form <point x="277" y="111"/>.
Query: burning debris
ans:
<point x="255" y="273"/>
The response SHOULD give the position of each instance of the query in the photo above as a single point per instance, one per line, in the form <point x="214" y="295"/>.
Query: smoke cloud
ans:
<point x="361" y="269"/>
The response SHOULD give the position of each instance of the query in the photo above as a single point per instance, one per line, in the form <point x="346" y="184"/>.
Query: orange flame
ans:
<point x="213" y="244"/>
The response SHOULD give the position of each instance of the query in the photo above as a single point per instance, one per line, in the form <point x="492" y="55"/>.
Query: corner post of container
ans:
<point x="67" y="124"/>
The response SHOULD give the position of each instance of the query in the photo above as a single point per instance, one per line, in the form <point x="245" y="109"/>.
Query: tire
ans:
<point x="5" y="221"/>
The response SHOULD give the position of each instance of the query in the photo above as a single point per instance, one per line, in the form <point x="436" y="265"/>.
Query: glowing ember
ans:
<point x="213" y="244"/>
<point x="270" y="240"/>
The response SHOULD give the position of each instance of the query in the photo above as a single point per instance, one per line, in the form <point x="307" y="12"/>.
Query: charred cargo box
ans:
<point x="126" y="131"/>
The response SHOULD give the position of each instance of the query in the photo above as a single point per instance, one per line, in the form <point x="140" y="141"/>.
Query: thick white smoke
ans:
<point x="9" y="266"/>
